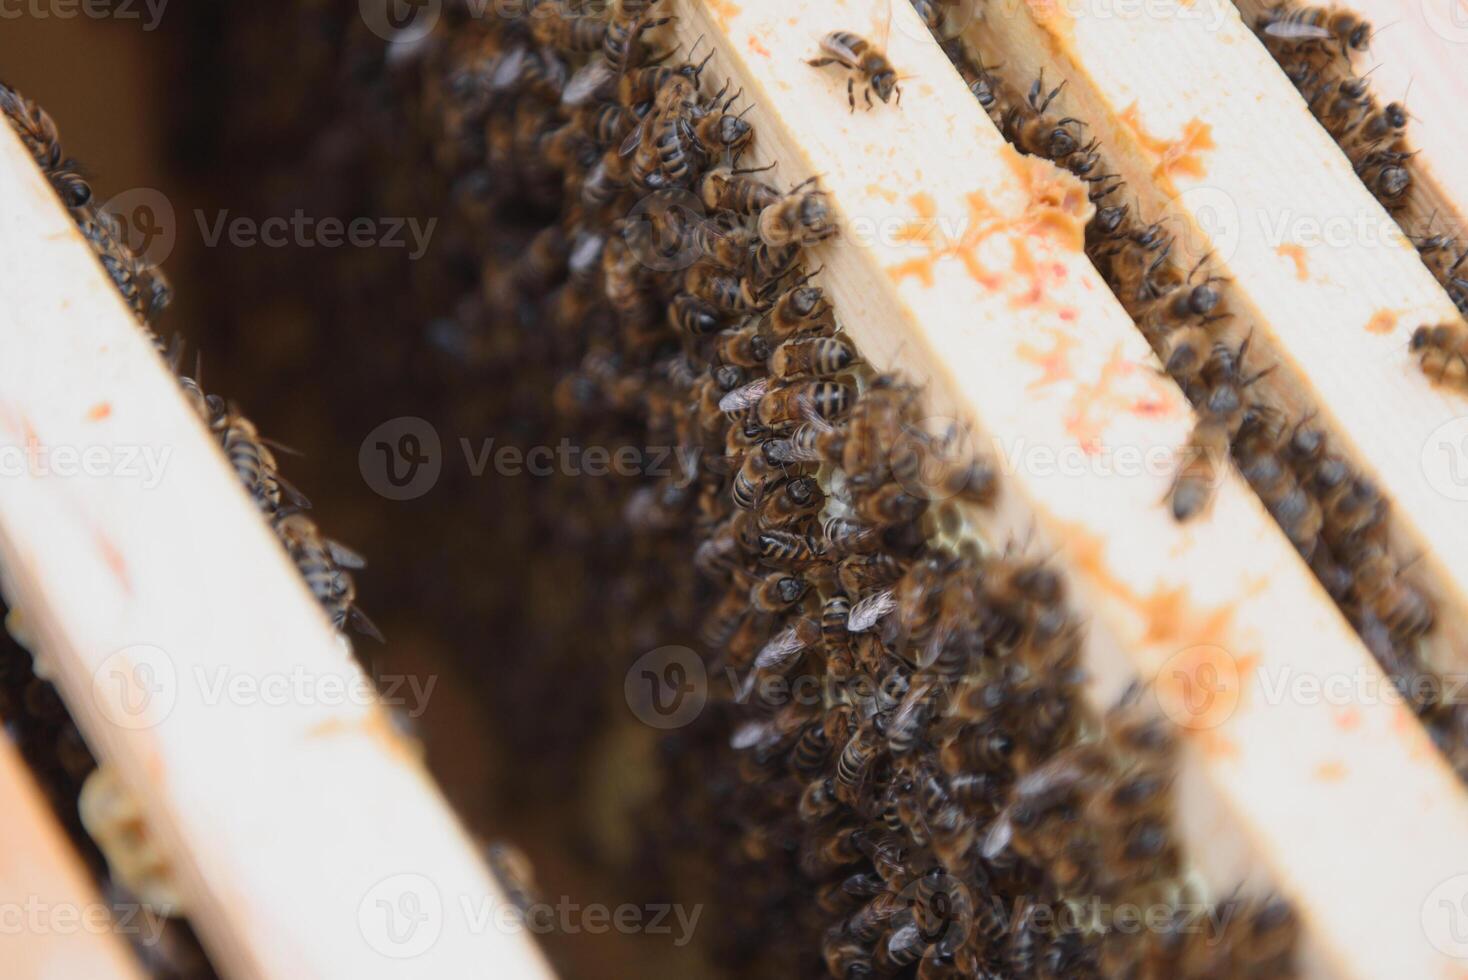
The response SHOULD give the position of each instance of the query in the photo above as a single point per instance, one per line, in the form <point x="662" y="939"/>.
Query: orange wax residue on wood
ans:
<point x="1049" y="14"/>
<point x="757" y="47"/>
<point x="1297" y="254"/>
<point x="1202" y="681"/>
<point x="1217" y="745"/>
<point x="1179" y="156"/>
<point x="1383" y="321"/>
<point x="1054" y="363"/>
<point x="925" y="230"/>
<point x="1058" y="207"/>
<point x="112" y="558"/>
<point x="723" y="10"/>
<point x="1331" y="772"/>
<point x="1094" y="405"/>
<point x="1347" y="719"/>
<point x="99" y="411"/>
<point x="877" y="190"/>
<point x="1411" y="731"/>
<point x="376" y="726"/>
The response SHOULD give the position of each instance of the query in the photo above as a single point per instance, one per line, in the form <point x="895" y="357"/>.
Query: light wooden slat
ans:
<point x="1279" y="790"/>
<point x="299" y="824"/>
<point x="1318" y="271"/>
<point x="52" y="921"/>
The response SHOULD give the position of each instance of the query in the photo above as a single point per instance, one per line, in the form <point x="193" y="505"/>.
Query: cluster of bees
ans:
<point x="1335" y="516"/>
<point x="1315" y="47"/>
<point x="939" y="786"/>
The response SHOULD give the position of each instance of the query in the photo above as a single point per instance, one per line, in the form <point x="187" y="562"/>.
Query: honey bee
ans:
<point x="716" y="132"/>
<point x="323" y="563"/>
<point x="1441" y="346"/>
<point x="863" y="60"/>
<point x="695" y="317"/>
<point x="890" y="504"/>
<point x="745" y="347"/>
<point x="847" y="537"/>
<point x="798" y="401"/>
<point x="815" y="441"/>
<point x="1300" y="24"/>
<point x="1298" y="513"/>
<point x="552" y="25"/>
<point x="725" y="243"/>
<point x="748" y="487"/>
<point x="733" y="190"/>
<point x="607" y="123"/>
<point x="790" y="501"/>
<point x="1205" y="456"/>
<point x="727" y="294"/>
<point x="817" y="356"/>
<point x="254" y="464"/>
<point x="800" y="310"/>
<point x="786" y="549"/>
<point x="802" y="217"/>
<point x="1384" y="174"/>
<point x="621" y="43"/>
<point x="1379" y="588"/>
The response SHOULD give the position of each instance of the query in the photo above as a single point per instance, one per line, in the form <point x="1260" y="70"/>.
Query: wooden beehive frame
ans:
<point x="1316" y="271"/>
<point x="296" y="826"/>
<point x="952" y="269"/>
<point x="959" y="263"/>
<point x="55" y="922"/>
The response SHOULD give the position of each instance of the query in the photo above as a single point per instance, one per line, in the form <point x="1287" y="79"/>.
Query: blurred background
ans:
<point x="510" y="595"/>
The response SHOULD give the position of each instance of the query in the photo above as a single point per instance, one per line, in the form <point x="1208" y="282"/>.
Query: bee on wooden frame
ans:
<point x="863" y="60"/>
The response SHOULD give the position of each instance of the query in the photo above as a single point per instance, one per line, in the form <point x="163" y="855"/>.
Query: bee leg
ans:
<point x="851" y="91"/>
<point x="899" y="94"/>
<point x="820" y="62"/>
<point x="868" y="93"/>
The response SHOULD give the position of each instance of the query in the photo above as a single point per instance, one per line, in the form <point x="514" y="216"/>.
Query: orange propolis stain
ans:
<point x="1054" y="364"/>
<point x="1296" y="253"/>
<point x="1332" y="771"/>
<point x="1383" y="321"/>
<point x="1203" y="682"/>
<point x="99" y="411"/>
<point x="1180" y="156"/>
<point x="1057" y="209"/>
<point x="757" y="47"/>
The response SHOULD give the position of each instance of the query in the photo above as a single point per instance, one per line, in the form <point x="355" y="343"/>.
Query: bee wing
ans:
<point x="507" y="70"/>
<point x="779" y="654"/>
<point x="865" y="614"/>
<point x="633" y="141"/>
<point x="588" y="80"/>
<point x="1294" y="31"/>
<point x="749" y="734"/>
<point x="344" y="556"/>
<point x="741" y="398"/>
<point x="1001" y="832"/>
<point x="365" y="626"/>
